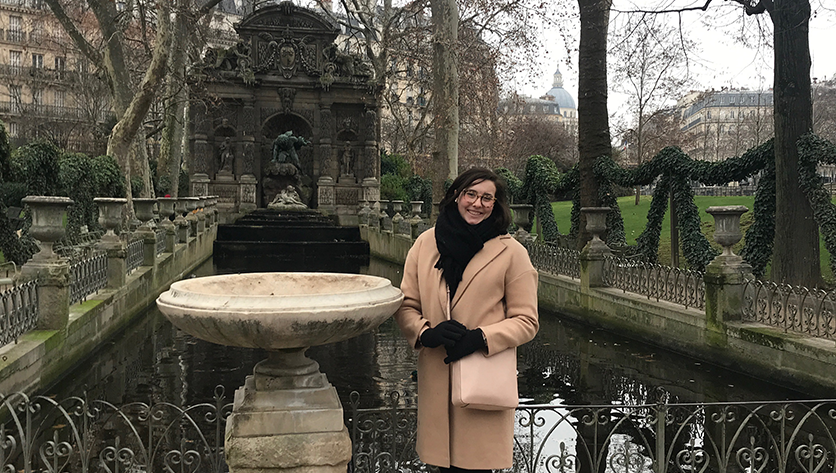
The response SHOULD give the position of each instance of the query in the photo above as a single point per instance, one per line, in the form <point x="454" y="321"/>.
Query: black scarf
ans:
<point x="458" y="242"/>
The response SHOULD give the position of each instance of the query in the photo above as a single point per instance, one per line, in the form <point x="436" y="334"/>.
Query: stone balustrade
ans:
<point x="77" y="306"/>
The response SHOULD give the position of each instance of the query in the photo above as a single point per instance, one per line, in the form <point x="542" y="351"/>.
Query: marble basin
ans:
<point x="279" y="311"/>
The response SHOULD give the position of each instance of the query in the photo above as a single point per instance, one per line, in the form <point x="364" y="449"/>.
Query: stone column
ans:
<point x="191" y="218"/>
<point x="51" y="271"/>
<point x="246" y="197"/>
<point x="726" y="276"/>
<point x="371" y="189"/>
<point x="110" y="217"/>
<point x="593" y="254"/>
<point x="199" y="184"/>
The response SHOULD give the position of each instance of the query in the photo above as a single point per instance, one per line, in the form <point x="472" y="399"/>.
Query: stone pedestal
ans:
<point x="593" y="254"/>
<point x="199" y="184"/>
<point x="325" y="194"/>
<point x="247" y="196"/>
<point x="726" y="276"/>
<point x="117" y="261"/>
<point x="294" y="428"/>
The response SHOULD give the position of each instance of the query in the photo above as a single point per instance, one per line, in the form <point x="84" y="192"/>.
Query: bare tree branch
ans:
<point x="704" y="7"/>
<point x="81" y="42"/>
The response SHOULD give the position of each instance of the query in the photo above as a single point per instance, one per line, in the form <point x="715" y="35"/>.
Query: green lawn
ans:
<point x="635" y="219"/>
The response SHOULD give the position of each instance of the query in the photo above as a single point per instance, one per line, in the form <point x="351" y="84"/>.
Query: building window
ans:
<point x="37" y="96"/>
<point x="60" y="63"/>
<point x="422" y="102"/>
<point x="15" y="97"/>
<point x="15" y="62"/>
<point x="37" y="61"/>
<point x="709" y="114"/>
<point x="15" y="32"/>
<point x="731" y="114"/>
<point x="59" y="98"/>
<point x="121" y="5"/>
<point x="13" y="130"/>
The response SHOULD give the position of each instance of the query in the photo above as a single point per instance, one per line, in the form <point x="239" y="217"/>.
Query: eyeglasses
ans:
<point x="471" y="196"/>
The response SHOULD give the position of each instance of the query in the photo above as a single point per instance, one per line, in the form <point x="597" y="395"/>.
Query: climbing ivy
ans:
<point x="673" y="171"/>
<point x="811" y="151"/>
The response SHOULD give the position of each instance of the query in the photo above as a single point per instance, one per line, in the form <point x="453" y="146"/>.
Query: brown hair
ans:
<point x="501" y="212"/>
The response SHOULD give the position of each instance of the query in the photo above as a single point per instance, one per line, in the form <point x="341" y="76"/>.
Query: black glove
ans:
<point x="446" y="333"/>
<point x="471" y="341"/>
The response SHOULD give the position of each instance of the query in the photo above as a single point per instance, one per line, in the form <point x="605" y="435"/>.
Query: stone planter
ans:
<point x="47" y="222"/>
<point x="523" y="216"/>
<point x="110" y="215"/>
<point x="166" y="208"/>
<point x="727" y="225"/>
<point x="144" y="210"/>
<point x="596" y="224"/>
<point x="416" y="206"/>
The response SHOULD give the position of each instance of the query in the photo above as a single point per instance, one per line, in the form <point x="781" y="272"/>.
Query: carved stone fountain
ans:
<point x="287" y="416"/>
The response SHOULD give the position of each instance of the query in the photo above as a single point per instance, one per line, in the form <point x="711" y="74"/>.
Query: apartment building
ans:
<point x="48" y="90"/>
<point x="720" y="124"/>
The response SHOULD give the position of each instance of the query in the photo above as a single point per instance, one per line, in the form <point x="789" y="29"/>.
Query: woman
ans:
<point x="493" y="298"/>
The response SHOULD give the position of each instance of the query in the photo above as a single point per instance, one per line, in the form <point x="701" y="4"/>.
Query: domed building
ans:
<point x="556" y="104"/>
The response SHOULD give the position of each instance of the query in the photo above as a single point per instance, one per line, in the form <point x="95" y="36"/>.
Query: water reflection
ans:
<point x="566" y="364"/>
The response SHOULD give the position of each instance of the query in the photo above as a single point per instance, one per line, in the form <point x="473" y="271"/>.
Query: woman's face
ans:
<point x="472" y="201"/>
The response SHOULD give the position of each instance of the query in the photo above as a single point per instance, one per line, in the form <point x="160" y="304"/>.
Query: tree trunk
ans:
<point x="445" y="22"/>
<point x="176" y="90"/>
<point x="795" y="259"/>
<point x="593" y="119"/>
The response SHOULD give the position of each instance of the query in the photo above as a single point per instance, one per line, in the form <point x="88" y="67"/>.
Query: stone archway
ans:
<point x="276" y="177"/>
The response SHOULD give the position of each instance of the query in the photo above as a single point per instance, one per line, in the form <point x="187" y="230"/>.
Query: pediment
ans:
<point x="287" y="17"/>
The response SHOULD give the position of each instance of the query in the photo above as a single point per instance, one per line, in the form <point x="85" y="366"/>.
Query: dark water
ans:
<point x="566" y="364"/>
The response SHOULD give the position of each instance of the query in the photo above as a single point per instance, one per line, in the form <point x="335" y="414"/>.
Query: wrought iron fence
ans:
<point x="791" y="308"/>
<point x="88" y="275"/>
<point x="134" y="257"/>
<point x="680" y="286"/>
<point x="78" y="435"/>
<point x="678" y="438"/>
<point x="160" y="236"/>
<point x="554" y="259"/>
<point x="18" y="313"/>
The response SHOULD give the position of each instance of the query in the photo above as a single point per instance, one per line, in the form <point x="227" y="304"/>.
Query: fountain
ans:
<point x="286" y="415"/>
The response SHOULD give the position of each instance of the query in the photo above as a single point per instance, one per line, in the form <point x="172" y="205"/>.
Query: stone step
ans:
<point x="290" y="251"/>
<point x="287" y="233"/>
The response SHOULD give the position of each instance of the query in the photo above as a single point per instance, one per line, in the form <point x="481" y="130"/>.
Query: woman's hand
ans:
<point x="446" y="333"/>
<point x="471" y="341"/>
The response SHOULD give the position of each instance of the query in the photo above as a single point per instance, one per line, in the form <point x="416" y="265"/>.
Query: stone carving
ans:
<point x="348" y="124"/>
<point x="287" y="199"/>
<point x="247" y="158"/>
<point x="285" y="146"/>
<point x="347" y="161"/>
<point x="371" y="125"/>
<point x="226" y="156"/>
<point x="237" y="58"/>
<point x="326" y="122"/>
<point x="285" y="54"/>
<point x="248" y="120"/>
<point x="287" y="94"/>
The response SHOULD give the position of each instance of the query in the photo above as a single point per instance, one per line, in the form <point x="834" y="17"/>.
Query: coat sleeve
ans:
<point x="521" y="316"/>
<point x="409" y="316"/>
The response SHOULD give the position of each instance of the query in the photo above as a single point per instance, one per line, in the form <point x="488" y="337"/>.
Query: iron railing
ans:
<point x="791" y="308"/>
<point x="77" y="435"/>
<point x="88" y="275"/>
<point x="134" y="258"/>
<point x="18" y="313"/>
<point x="680" y="286"/>
<point x="554" y="259"/>
<point x="160" y="236"/>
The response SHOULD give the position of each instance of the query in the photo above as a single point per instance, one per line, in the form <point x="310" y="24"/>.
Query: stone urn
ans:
<point x="523" y="216"/>
<point x="47" y="222"/>
<point x="286" y="416"/>
<point x="596" y="224"/>
<point x="727" y="225"/>
<point x="144" y="210"/>
<point x="416" y="206"/>
<point x="166" y="208"/>
<point x="110" y="215"/>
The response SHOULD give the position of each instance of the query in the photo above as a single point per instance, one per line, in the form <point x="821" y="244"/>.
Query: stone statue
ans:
<point x="285" y="146"/>
<point x="287" y="199"/>
<point x="227" y="155"/>
<point x="346" y="161"/>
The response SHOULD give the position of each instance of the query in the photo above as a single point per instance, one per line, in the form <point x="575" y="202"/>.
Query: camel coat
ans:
<point x="498" y="294"/>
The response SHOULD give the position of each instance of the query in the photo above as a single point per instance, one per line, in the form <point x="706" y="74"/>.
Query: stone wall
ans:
<point x="42" y="356"/>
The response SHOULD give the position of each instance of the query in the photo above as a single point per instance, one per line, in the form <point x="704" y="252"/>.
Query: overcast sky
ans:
<point x="720" y="61"/>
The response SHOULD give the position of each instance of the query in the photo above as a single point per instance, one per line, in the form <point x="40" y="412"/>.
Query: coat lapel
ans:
<point x="488" y="253"/>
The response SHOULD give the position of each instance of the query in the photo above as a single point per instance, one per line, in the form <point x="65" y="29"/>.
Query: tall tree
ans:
<point x="649" y="66"/>
<point x="131" y="100"/>
<point x="593" y="118"/>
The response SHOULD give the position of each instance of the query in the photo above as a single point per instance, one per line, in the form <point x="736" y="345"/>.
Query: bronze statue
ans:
<point x="285" y="146"/>
<point x="227" y="155"/>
